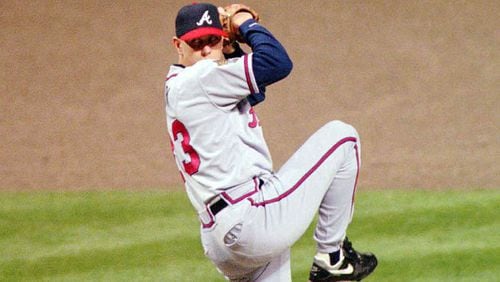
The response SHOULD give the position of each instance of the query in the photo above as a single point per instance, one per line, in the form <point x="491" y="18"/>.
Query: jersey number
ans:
<point x="255" y="122"/>
<point x="190" y="166"/>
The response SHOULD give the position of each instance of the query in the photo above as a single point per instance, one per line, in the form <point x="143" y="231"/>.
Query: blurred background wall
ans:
<point x="81" y="90"/>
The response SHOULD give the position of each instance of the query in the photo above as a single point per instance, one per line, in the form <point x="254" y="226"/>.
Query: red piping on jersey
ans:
<point x="247" y="74"/>
<point x="304" y="178"/>
<point x="169" y="77"/>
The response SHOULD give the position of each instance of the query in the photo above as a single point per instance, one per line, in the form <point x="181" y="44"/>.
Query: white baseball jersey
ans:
<point x="215" y="134"/>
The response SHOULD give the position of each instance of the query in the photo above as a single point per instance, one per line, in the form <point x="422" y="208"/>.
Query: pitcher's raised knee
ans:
<point x="341" y="128"/>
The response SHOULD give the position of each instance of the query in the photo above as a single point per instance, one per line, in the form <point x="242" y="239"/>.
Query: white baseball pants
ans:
<point x="252" y="237"/>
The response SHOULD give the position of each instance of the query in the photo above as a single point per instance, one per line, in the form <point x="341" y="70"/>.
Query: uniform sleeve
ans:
<point x="255" y="98"/>
<point x="271" y="62"/>
<point x="247" y="76"/>
<point x="227" y="84"/>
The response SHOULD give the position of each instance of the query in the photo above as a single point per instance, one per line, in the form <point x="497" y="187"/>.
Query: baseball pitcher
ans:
<point x="251" y="214"/>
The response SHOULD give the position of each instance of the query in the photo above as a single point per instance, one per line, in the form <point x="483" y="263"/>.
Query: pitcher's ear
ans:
<point x="177" y="45"/>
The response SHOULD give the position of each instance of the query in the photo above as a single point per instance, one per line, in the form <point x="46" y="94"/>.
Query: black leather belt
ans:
<point x="216" y="207"/>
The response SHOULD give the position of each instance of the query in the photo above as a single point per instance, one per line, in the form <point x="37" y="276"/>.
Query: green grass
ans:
<point x="154" y="236"/>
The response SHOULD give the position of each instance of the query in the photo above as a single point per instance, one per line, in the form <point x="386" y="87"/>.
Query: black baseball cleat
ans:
<point x="352" y="266"/>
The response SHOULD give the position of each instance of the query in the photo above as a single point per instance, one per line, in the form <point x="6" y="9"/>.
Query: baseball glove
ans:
<point x="226" y="18"/>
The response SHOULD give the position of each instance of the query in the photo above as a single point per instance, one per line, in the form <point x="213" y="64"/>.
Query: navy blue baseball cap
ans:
<point x="197" y="20"/>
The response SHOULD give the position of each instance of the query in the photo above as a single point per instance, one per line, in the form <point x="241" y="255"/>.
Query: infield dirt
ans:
<point x="82" y="90"/>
